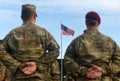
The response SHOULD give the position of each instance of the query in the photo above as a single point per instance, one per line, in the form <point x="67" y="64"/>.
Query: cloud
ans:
<point x="5" y="14"/>
<point x="64" y="6"/>
<point x="78" y="5"/>
<point x="106" y="8"/>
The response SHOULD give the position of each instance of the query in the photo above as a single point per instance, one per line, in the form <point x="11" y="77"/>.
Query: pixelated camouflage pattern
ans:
<point x="29" y="8"/>
<point x="2" y="71"/>
<point x="5" y="74"/>
<point x="2" y="68"/>
<point x="31" y="43"/>
<point x="55" y="71"/>
<point x="92" y="47"/>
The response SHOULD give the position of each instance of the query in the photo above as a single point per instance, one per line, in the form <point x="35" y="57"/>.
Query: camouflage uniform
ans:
<point x="5" y="74"/>
<point x="30" y="42"/>
<point x="2" y="71"/>
<point x="2" y="68"/>
<point x="92" y="47"/>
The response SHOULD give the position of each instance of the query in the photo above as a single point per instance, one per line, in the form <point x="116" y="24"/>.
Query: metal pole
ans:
<point x="61" y="60"/>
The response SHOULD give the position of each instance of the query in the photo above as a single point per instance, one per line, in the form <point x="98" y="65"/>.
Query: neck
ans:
<point x="29" y="20"/>
<point x="94" y="27"/>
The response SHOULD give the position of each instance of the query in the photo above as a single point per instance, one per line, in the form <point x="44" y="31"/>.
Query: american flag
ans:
<point x="66" y="31"/>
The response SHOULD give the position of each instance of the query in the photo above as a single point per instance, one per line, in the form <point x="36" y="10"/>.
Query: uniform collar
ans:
<point x="91" y="30"/>
<point x="24" y="23"/>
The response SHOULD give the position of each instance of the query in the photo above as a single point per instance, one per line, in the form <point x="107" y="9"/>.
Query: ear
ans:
<point x="34" y="16"/>
<point x="86" y="22"/>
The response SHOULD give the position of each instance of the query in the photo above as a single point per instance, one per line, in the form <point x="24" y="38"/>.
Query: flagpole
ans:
<point x="61" y="58"/>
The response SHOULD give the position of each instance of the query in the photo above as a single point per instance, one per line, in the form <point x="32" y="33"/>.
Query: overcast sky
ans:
<point x="51" y="13"/>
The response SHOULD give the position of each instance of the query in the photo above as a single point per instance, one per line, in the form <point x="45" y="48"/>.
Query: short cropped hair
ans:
<point x="91" y="22"/>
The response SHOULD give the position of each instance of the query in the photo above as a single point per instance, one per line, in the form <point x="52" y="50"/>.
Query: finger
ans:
<point x="27" y="72"/>
<point x="24" y="69"/>
<point x="97" y="67"/>
<point x="91" y="69"/>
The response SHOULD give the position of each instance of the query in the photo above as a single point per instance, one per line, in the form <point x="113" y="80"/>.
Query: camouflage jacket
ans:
<point x="92" y="47"/>
<point x="29" y="42"/>
<point x="5" y="74"/>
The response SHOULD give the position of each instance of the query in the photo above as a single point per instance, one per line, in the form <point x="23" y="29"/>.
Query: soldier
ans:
<point x="92" y="56"/>
<point x="5" y="74"/>
<point x="31" y="51"/>
<point x="2" y="68"/>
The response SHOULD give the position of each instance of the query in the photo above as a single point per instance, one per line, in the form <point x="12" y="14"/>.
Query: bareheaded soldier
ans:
<point x="31" y="51"/>
<point x="92" y="56"/>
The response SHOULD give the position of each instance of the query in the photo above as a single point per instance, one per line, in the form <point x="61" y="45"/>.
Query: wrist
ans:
<point x="82" y="70"/>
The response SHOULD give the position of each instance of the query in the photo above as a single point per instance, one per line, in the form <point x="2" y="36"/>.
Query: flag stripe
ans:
<point x="66" y="31"/>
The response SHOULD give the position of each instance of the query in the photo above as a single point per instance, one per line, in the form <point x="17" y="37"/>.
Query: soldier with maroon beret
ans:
<point x="92" y="56"/>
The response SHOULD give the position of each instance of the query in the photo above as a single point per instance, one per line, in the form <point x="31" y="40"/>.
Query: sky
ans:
<point x="71" y="13"/>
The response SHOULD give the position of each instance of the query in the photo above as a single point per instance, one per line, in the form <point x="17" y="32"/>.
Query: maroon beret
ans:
<point x="93" y="15"/>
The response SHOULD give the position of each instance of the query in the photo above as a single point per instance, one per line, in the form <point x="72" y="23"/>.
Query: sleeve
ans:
<point x="55" y="71"/>
<point x="114" y="64"/>
<point x="51" y="48"/>
<point x="71" y="63"/>
<point x="2" y="71"/>
<point x="6" y="58"/>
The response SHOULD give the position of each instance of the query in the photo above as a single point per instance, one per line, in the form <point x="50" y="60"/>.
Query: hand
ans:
<point x="28" y="67"/>
<point x="95" y="72"/>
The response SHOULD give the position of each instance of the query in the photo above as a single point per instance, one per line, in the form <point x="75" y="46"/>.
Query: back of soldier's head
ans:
<point x="0" y="41"/>
<point x="91" y="22"/>
<point x="28" y="10"/>
<point x="92" y="19"/>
